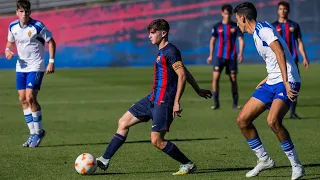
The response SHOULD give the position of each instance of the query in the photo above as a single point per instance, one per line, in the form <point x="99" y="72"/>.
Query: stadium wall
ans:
<point x="116" y="35"/>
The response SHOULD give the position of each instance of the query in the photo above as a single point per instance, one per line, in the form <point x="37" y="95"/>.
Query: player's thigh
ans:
<point x="21" y="80"/>
<point x="142" y="109"/>
<point x="218" y="65"/>
<point x="127" y="120"/>
<point x="162" y="117"/>
<point x="231" y="66"/>
<point x="34" y="80"/>
<point x="250" y="111"/>
<point x="281" y="93"/>
<point x="277" y="111"/>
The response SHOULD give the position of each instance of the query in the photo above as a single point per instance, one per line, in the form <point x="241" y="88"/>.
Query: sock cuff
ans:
<point x="254" y="142"/>
<point x="168" y="147"/>
<point x="27" y="111"/>
<point x="120" y="137"/>
<point x="36" y="114"/>
<point x="287" y="145"/>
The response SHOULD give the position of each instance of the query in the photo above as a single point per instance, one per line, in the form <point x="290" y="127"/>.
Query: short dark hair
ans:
<point x="24" y="4"/>
<point x="246" y="9"/>
<point x="285" y="4"/>
<point x="159" y="25"/>
<point x="227" y="7"/>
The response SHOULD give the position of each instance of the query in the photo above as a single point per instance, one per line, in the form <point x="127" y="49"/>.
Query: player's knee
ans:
<point x="242" y="121"/>
<point x="23" y="99"/>
<point x="273" y="123"/>
<point x="122" y="124"/>
<point x="157" y="141"/>
<point x="30" y="98"/>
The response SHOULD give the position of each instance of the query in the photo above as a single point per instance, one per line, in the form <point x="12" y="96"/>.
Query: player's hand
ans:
<point x="292" y="94"/>
<point x="209" y="60"/>
<point x="240" y="58"/>
<point x="9" y="54"/>
<point x="50" y="68"/>
<point x="306" y="63"/>
<point x="260" y="84"/>
<point x="205" y="93"/>
<point x="176" y="109"/>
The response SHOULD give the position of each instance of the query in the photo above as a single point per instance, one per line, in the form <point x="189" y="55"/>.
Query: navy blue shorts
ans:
<point x="29" y="80"/>
<point x="230" y="64"/>
<point x="267" y="93"/>
<point x="161" y="114"/>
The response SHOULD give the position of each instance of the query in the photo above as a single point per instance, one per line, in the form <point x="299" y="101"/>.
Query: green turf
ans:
<point x="81" y="109"/>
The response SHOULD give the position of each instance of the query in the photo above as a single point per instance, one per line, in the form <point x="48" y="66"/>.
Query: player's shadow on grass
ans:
<point x="213" y="170"/>
<point x="130" y="142"/>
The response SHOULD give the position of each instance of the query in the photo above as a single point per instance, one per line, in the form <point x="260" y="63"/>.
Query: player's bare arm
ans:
<point x="212" y="46"/>
<point x="52" y="52"/>
<point x="278" y="50"/>
<point x="241" y="47"/>
<point x="303" y="53"/>
<point x="8" y="51"/>
<point x="179" y="69"/>
<point x="201" y="92"/>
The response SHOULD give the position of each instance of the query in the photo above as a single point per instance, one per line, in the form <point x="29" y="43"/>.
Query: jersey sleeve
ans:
<point x="42" y="31"/>
<point x="45" y="34"/>
<point x="214" y="32"/>
<point x="239" y="33"/>
<point x="297" y="32"/>
<point x="10" y="36"/>
<point x="266" y="34"/>
<point x="174" y="58"/>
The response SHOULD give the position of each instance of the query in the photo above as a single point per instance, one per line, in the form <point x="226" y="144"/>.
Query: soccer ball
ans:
<point x="85" y="164"/>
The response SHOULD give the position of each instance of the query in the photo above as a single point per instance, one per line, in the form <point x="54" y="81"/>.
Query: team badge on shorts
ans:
<point x="216" y="68"/>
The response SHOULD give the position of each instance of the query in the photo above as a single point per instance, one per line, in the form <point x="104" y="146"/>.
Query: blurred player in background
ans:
<point x="30" y="36"/>
<point x="291" y="33"/>
<point x="276" y="92"/>
<point x="226" y="33"/>
<point x="162" y="105"/>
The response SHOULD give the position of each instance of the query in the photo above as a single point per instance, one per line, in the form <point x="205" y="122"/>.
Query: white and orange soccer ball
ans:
<point x="85" y="164"/>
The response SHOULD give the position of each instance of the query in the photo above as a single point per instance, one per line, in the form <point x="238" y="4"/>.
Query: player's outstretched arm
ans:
<point x="201" y="92"/>
<point x="52" y="53"/>
<point x="8" y="53"/>
<point x="278" y="50"/>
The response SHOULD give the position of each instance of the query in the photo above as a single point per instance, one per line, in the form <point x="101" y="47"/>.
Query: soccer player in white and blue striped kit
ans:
<point x="30" y="36"/>
<point x="276" y="92"/>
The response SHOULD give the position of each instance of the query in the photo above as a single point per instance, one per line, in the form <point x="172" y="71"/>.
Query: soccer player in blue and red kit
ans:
<point x="225" y="32"/>
<point x="162" y="104"/>
<point x="291" y="33"/>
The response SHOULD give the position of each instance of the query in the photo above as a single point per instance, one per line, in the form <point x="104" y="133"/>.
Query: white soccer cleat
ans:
<point x="262" y="165"/>
<point x="186" y="169"/>
<point x="297" y="171"/>
<point x="102" y="163"/>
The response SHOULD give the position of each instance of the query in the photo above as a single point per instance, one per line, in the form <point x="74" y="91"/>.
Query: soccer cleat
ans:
<point x="214" y="107"/>
<point x="186" y="169"/>
<point x="294" y="116"/>
<point x="262" y="165"/>
<point x="236" y="107"/>
<point x="28" y="142"/>
<point x="37" y="138"/>
<point x="102" y="163"/>
<point x="297" y="171"/>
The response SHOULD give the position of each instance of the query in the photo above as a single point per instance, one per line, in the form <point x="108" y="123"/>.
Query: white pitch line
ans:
<point x="106" y="101"/>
